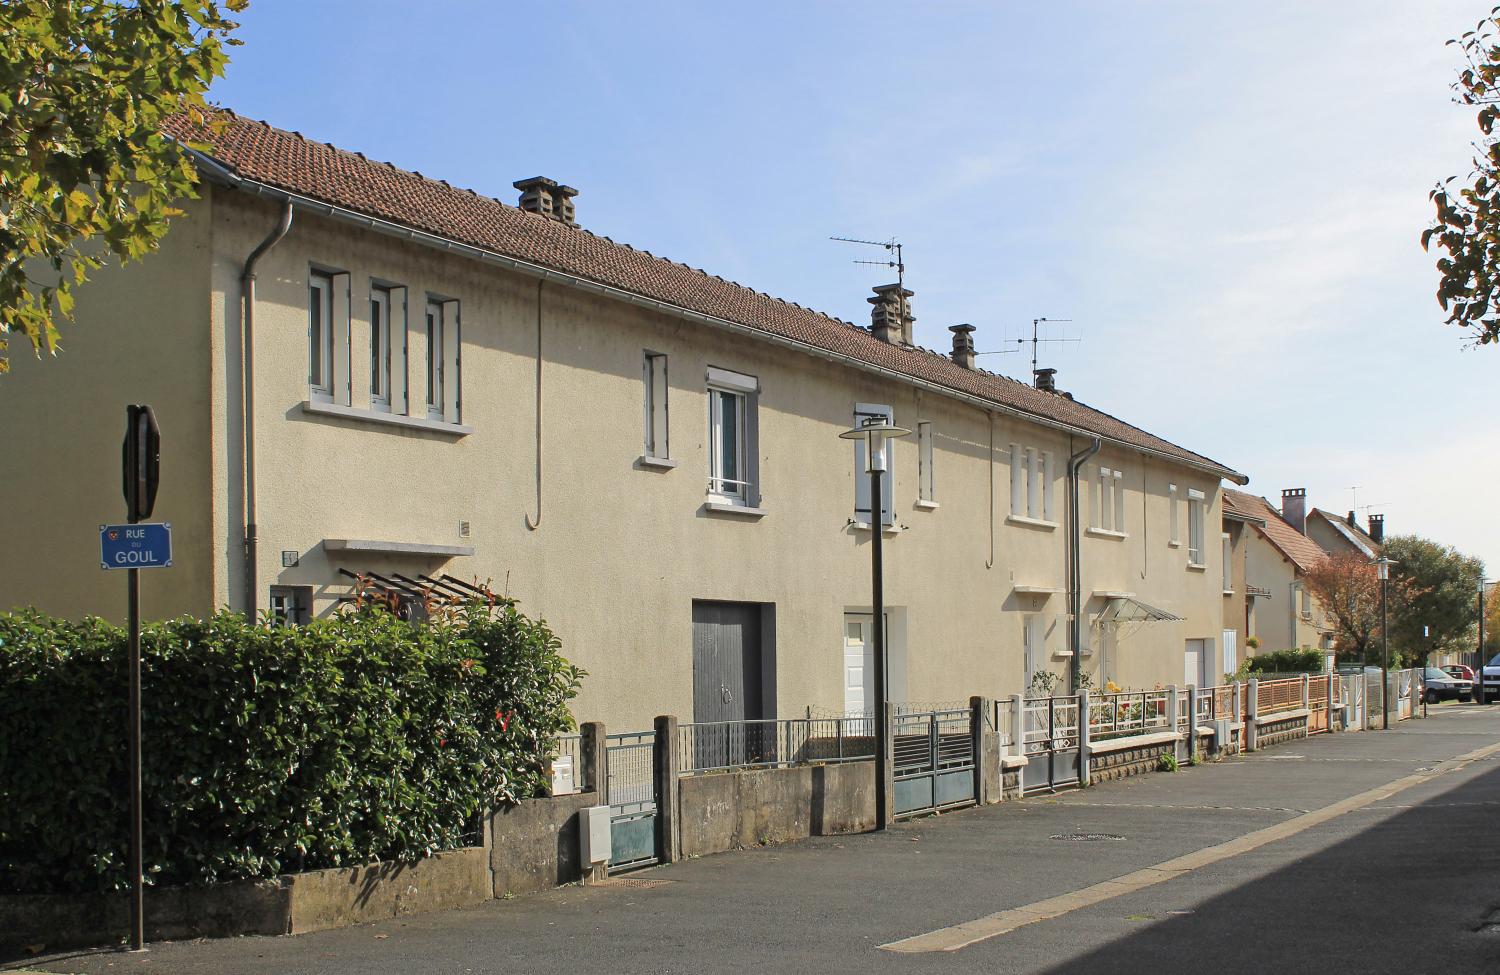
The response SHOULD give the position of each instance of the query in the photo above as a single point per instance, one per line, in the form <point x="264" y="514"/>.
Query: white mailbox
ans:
<point x="593" y="824"/>
<point x="562" y="776"/>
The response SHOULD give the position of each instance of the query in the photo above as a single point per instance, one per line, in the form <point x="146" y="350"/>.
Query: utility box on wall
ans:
<point x="562" y="776"/>
<point x="594" y="838"/>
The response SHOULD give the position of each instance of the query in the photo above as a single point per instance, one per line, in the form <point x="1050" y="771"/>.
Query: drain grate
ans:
<point x="632" y="883"/>
<point x="1085" y="837"/>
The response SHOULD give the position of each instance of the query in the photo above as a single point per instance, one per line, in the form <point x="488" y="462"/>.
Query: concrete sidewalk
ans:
<point x="1397" y="884"/>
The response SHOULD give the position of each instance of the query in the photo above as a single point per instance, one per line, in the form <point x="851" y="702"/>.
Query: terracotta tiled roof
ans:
<point x="286" y="161"/>
<point x="1300" y="550"/>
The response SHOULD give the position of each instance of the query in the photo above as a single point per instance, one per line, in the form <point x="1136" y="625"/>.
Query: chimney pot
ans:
<point x="1046" y="380"/>
<point x="1377" y="529"/>
<point x="547" y="197"/>
<point x="963" y="345"/>
<point x="1294" y="508"/>
<point x="890" y="317"/>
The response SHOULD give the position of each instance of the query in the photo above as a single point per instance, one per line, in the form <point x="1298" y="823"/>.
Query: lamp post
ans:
<point x="1383" y="571"/>
<point x="1479" y="650"/>
<point x="877" y="432"/>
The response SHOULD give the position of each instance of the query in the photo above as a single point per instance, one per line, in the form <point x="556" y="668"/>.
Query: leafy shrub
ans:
<point x="1166" y="762"/>
<point x="267" y="749"/>
<point x="1305" y="660"/>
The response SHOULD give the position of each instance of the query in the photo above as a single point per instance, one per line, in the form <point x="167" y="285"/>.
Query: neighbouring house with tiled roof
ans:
<point x="1280" y="611"/>
<point x="364" y="373"/>
<point x="1337" y="533"/>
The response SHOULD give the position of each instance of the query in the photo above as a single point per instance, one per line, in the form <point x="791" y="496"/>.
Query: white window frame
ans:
<point x="738" y="392"/>
<point x="656" y="418"/>
<point x="1033" y="647"/>
<point x="1228" y="570"/>
<point x="863" y="507"/>
<point x="1032" y="478"/>
<point x="925" y="491"/>
<point x="1107" y="507"/>
<point x="383" y="334"/>
<point x="1197" y="505"/>
<point x="320" y="332"/>
<point x="434" y="331"/>
<point x="1174" y="536"/>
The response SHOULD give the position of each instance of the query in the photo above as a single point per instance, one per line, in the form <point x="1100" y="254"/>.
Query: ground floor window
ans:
<point x="291" y="605"/>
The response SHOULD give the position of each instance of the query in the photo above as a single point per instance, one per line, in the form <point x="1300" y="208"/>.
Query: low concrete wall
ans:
<point x="534" y="844"/>
<point x="1274" y="729"/>
<point x="290" y="904"/>
<point x="760" y="807"/>
<point x="1121" y="757"/>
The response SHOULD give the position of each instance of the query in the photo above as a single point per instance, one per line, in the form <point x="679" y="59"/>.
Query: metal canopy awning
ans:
<point x="1128" y="609"/>
<point x="416" y="598"/>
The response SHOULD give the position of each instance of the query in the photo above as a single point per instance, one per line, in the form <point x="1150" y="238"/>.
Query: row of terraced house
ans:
<point x="369" y="377"/>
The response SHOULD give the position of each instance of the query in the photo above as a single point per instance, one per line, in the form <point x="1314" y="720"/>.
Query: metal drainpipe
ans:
<point x="247" y="400"/>
<point x="1075" y="572"/>
<point x="534" y="525"/>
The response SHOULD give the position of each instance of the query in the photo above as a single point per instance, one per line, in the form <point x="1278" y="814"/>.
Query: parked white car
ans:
<point x="1490" y="681"/>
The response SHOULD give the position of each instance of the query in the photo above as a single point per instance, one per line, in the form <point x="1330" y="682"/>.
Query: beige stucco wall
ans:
<point x="1278" y="622"/>
<point x="142" y="335"/>
<point x="621" y="551"/>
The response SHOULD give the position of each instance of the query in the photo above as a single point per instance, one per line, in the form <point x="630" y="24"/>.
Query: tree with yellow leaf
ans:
<point x="85" y="171"/>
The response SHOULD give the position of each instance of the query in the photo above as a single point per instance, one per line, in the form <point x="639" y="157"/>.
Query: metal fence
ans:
<point x="1001" y="718"/>
<point x="1050" y="724"/>
<point x="1272" y="696"/>
<point x="707" y="746"/>
<point x="1129" y="713"/>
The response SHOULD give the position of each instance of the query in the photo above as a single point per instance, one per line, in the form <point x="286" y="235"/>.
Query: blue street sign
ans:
<point x="143" y="546"/>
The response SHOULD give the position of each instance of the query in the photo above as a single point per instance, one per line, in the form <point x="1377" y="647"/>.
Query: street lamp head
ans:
<point x="1383" y="567"/>
<point x="875" y="431"/>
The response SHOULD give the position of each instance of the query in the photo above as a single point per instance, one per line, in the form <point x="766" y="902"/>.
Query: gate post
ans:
<point x="1174" y="715"/>
<point x="1083" y="737"/>
<point x="1333" y="682"/>
<point x="1192" y="726"/>
<point x="1305" y="691"/>
<point x="1252" y="702"/>
<point x="664" y="764"/>
<point x="979" y="709"/>
<point x="887" y="759"/>
<point x="592" y="757"/>
<point x="1017" y="743"/>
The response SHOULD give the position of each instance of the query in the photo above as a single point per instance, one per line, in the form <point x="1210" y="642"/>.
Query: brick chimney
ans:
<point x="963" y="345"/>
<point x="1377" y="529"/>
<point x="890" y="317"/>
<point x="1045" y="380"/>
<point x="1294" y="508"/>
<point x="549" y="198"/>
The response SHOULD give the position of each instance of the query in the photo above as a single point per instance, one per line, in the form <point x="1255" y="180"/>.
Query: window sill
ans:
<point x="729" y="508"/>
<point x="647" y="462"/>
<point x="864" y="526"/>
<point x="1229" y="592"/>
<point x="1031" y="522"/>
<point x="1174" y="545"/>
<point x="1105" y="533"/>
<point x="380" y="418"/>
<point x="926" y="505"/>
<point x="1197" y="567"/>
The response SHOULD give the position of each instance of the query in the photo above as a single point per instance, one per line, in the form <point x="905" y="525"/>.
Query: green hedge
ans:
<point x="267" y="749"/>
<point x="1305" y="660"/>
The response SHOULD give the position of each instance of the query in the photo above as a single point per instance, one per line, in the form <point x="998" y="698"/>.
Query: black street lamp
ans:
<point x="877" y="432"/>
<point x="1383" y="570"/>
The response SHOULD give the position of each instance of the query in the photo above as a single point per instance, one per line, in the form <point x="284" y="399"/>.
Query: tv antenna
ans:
<point x="1354" y="496"/>
<point x="893" y="248"/>
<point x="1035" y="340"/>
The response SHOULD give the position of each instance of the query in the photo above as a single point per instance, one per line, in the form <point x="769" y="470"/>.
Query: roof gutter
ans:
<point x="225" y="175"/>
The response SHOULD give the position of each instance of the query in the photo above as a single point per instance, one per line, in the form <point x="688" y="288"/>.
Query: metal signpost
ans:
<point x="135" y="546"/>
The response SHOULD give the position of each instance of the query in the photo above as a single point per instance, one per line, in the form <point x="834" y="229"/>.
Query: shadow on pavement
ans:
<point x="1412" y="893"/>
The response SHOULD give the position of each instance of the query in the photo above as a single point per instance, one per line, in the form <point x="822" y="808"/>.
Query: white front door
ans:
<point x="859" y="665"/>
<point x="1231" y="651"/>
<point x="1193" y="662"/>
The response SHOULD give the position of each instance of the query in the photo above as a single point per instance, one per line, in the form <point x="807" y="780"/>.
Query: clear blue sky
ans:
<point x="1225" y="198"/>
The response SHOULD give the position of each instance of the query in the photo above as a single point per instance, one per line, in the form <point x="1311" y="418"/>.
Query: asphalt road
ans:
<point x="1395" y="881"/>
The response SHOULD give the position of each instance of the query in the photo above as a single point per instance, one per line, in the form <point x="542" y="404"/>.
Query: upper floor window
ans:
<point x="387" y="331"/>
<point x="1174" y="537"/>
<point x="925" y="490"/>
<point x="732" y="426"/>
<point x="320" y="326"/>
<point x="1031" y="480"/>
<point x="655" y="375"/>
<point x="1196" y="510"/>
<point x="444" y="362"/>
<point x="864" y="412"/>
<point x="1108" y="509"/>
